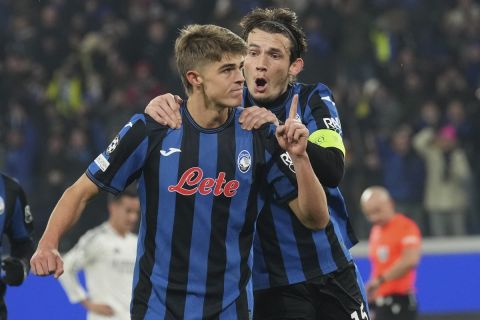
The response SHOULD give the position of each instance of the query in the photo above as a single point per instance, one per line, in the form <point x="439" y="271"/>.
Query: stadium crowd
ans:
<point x="405" y="75"/>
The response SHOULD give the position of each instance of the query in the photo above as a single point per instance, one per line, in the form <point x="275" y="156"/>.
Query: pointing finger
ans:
<point x="293" y="107"/>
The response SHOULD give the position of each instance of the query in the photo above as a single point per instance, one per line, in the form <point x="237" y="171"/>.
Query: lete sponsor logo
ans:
<point x="192" y="181"/>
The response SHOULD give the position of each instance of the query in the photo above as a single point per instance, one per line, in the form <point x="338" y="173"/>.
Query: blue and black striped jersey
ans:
<point x="16" y="220"/>
<point x="200" y="192"/>
<point x="286" y="252"/>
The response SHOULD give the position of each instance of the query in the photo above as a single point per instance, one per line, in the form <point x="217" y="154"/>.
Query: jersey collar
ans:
<point x="188" y="116"/>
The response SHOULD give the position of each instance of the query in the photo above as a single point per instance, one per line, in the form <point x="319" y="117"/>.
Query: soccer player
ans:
<point x="201" y="188"/>
<point x="107" y="256"/>
<point x="16" y="222"/>
<point x="298" y="273"/>
<point x="394" y="249"/>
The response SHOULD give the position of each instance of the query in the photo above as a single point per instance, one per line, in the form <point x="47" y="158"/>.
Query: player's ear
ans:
<point x="194" y="78"/>
<point x="296" y="67"/>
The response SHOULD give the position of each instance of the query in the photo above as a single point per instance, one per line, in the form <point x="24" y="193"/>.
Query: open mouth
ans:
<point x="260" y="84"/>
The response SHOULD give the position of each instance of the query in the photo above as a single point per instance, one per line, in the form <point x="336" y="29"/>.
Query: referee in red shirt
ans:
<point x="394" y="251"/>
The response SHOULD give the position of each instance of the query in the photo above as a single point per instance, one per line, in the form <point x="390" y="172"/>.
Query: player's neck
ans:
<point x="388" y="219"/>
<point x="122" y="233"/>
<point x="205" y="113"/>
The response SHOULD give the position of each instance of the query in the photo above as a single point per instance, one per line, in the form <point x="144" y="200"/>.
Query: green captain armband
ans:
<point x="327" y="138"/>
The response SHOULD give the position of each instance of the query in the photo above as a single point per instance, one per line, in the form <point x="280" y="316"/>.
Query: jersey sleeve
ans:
<point x="121" y="163"/>
<point x="411" y="236"/>
<point x="78" y="258"/>
<point x="322" y="119"/>
<point x="19" y="222"/>
<point x="280" y="172"/>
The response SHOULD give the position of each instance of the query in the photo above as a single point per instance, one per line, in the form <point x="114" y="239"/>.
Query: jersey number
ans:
<point x="354" y="314"/>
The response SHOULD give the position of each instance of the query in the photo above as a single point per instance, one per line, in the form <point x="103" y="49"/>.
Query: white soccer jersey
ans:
<point x="107" y="259"/>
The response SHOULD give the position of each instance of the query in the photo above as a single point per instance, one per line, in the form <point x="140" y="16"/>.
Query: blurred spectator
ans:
<point x="143" y="87"/>
<point x="77" y="151"/>
<point x="54" y="168"/>
<point x="21" y="145"/>
<point x="403" y="172"/>
<point x="447" y="185"/>
<point x="65" y="90"/>
<point x="430" y="116"/>
<point x="458" y="118"/>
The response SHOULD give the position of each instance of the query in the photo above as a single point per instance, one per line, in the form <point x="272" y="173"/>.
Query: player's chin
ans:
<point x="262" y="97"/>
<point x="234" y="100"/>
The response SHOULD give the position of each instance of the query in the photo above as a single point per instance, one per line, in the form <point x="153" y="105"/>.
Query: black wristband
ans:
<point x="15" y="271"/>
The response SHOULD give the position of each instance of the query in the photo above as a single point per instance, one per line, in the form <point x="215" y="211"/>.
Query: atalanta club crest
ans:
<point x="113" y="145"/>
<point x="244" y="161"/>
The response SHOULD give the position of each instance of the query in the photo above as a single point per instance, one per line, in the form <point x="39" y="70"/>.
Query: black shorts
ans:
<point x="398" y="307"/>
<point x="331" y="297"/>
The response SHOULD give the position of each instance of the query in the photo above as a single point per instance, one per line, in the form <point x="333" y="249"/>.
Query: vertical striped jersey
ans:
<point x="200" y="192"/>
<point x="16" y="220"/>
<point x="286" y="252"/>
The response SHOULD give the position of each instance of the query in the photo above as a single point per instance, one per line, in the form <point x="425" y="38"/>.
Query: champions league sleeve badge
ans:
<point x="111" y="147"/>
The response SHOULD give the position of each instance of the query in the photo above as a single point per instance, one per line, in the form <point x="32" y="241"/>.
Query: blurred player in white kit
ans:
<point x="107" y="256"/>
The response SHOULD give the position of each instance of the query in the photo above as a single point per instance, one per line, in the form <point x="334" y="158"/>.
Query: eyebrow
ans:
<point x="270" y="50"/>
<point x="230" y="65"/>
<point x="226" y="66"/>
<point x="275" y="50"/>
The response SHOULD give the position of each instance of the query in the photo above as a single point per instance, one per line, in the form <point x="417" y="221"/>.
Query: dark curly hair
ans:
<point x="277" y="20"/>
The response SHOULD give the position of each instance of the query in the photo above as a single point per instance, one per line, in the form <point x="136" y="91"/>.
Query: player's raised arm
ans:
<point x="46" y="259"/>
<point x="311" y="204"/>
<point x="325" y="143"/>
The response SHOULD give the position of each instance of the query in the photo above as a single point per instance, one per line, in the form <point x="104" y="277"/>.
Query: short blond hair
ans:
<point x="200" y="44"/>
